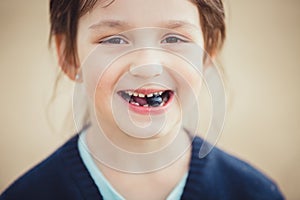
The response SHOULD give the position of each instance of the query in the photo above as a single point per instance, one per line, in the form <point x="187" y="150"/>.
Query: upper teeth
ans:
<point x="135" y="94"/>
<point x="149" y="95"/>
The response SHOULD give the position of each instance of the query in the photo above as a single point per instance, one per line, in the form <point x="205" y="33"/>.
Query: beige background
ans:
<point x="261" y="58"/>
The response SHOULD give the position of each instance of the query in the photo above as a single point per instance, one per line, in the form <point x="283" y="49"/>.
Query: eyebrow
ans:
<point x="173" y="24"/>
<point x="110" y="24"/>
<point x="119" y="24"/>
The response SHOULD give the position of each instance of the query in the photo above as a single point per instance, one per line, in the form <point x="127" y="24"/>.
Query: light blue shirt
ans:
<point x="105" y="188"/>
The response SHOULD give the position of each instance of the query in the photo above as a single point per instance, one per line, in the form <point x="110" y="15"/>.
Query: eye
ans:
<point x="174" y="39"/>
<point x="113" y="40"/>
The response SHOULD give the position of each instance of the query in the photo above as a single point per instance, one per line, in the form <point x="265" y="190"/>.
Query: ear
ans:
<point x="67" y="65"/>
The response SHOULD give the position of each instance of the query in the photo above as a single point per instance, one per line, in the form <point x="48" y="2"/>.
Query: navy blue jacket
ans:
<point x="218" y="176"/>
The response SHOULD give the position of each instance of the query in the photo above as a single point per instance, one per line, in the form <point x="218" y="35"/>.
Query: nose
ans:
<point x="146" y="70"/>
<point x="147" y="63"/>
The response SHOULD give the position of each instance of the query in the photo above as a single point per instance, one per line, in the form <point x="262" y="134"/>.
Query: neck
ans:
<point x="128" y="154"/>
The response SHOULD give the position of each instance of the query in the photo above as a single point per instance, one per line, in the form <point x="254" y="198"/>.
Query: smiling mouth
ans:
<point x="147" y="98"/>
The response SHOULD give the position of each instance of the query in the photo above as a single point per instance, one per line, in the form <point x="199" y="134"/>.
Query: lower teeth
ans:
<point x="148" y="105"/>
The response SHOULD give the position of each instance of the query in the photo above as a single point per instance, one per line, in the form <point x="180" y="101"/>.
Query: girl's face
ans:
<point x="133" y="67"/>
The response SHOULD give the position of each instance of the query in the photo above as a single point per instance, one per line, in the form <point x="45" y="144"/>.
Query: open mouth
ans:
<point x="147" y="98"/>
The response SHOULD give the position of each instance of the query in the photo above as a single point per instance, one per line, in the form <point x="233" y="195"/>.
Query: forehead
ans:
<point x="142" y="13"/>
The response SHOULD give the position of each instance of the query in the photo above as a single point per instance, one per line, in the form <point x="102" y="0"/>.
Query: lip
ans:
<point x="148" y="110"/>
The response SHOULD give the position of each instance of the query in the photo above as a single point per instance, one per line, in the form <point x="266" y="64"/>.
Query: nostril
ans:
<point x="146" y="71"/>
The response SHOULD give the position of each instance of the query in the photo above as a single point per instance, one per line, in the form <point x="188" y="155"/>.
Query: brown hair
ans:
<point x="65" y="14"/>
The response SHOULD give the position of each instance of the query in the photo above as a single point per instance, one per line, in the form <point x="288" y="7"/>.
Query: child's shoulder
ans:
<point x="217" y="176"/>
<point x="53" y="178"/>
<point x="223" y="175"/>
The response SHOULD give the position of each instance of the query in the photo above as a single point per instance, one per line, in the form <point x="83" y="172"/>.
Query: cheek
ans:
<point x="102" y="96"/>
<point x="97" y="78"/>
<point x="188" y="77"/>
<point x="98" y="90"/>
<point x="103" y="88"/>
<point x="104" y="85"/>
<point x="188" y="84"/>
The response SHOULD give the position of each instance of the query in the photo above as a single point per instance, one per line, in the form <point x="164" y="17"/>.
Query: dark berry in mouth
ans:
<point x="155" y="99"/>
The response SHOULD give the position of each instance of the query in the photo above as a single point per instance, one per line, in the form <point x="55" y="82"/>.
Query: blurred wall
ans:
<point x="261" y="59"/>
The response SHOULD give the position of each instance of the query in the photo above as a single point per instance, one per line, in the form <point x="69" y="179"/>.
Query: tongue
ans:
<point x="140" y="100"/>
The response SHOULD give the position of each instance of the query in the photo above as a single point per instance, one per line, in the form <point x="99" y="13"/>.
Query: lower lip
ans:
<point x="150" y="110"/>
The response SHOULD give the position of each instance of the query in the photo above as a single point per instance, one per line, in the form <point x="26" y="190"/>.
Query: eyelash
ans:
<point x="179" y="39"/>
<point x="120" y="40"/>
<point x="110" y="40"/>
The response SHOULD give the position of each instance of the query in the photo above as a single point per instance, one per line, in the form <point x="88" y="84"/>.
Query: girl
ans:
<point x="137" y="66"/>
